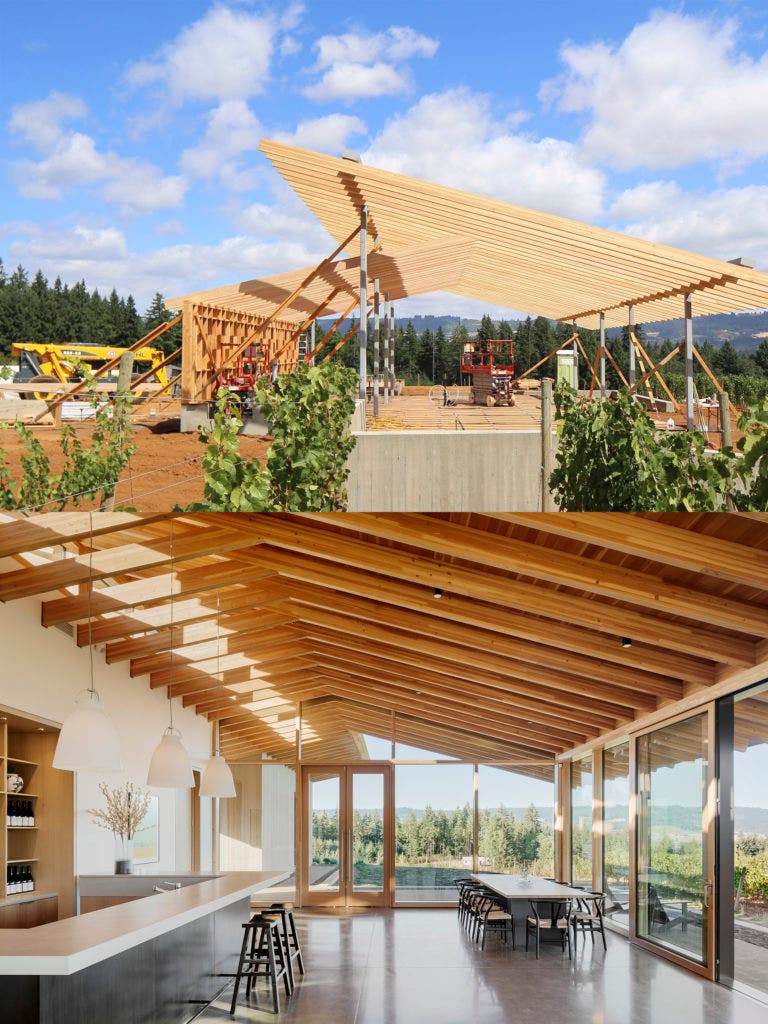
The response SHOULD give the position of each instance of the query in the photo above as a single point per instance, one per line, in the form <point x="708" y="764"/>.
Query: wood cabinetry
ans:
<point x="26" y="749"/>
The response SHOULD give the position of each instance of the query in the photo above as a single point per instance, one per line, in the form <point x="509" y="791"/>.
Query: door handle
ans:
<point x="708" y="886"/>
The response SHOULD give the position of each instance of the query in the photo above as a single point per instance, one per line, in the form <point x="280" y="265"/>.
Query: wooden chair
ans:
<point x="493" y="916"/>
<point x="549" y="916"/>
<point x="262" y="953"/>
<point x="589" y="913"/>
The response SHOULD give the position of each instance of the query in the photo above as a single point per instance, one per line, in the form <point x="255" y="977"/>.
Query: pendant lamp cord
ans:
<point x="92" y="687"/>
<point x="173" y="587"/>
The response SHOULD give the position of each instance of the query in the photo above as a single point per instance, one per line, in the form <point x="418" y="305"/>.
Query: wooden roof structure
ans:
<point x="432" y="237"/>
<point x="494" y="638"/>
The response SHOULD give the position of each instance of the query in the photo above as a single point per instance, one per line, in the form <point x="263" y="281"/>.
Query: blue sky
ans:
<point x="128" y="146"/>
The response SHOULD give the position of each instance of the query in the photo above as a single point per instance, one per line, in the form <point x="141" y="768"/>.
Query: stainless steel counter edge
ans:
<point x="68" y="946"/>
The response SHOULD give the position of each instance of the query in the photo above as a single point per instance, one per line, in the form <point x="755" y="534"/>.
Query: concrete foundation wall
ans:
<point x="445" y="471"/>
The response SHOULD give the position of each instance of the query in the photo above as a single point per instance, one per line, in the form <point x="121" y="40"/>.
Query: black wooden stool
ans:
<point x="262" y="948"/>
<point x="289" y="935"/>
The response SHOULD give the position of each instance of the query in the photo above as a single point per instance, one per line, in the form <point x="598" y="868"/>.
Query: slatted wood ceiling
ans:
<point x="520" y="659"/>
<point x="438" y="238"/>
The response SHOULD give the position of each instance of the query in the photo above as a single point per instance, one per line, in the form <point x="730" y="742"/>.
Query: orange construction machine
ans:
<point x="491" y="365"/>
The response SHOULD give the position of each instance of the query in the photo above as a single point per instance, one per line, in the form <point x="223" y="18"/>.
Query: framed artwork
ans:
<point x="146" y="843"/>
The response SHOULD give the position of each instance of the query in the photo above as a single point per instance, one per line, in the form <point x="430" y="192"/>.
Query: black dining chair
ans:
<point x="552" y="917"/>
<point x="589" y="912"/>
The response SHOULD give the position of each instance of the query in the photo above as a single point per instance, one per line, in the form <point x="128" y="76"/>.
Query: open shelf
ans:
<point x="21" y="828"/>
<point x="22" y="860"/>
<point x="23" y="796"/>
<point x="20" y="760"/>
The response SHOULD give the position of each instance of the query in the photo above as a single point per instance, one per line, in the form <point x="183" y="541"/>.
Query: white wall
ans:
<point x="278" y="796"/>
<point x="41" y="672"/>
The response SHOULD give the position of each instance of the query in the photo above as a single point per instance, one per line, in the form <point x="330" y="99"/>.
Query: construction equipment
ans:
<point x="491" y="365"/>
<point x="43" y="363"/>
<point x="240" y="378"/>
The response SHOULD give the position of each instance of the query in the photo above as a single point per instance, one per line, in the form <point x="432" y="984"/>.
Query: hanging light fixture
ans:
<point x="217" y="777"/>
<point x="170" y="767"/>
<point x="88" y="738"/>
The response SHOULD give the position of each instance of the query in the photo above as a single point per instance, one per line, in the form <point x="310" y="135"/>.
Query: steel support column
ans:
<point x="392" y="369"/>
<point x="602" y="356"/>
<point x="688" y="313"/>
<point x="386" y="348"/>
<point x="631" y="347"/>
<point x="376" y="328"/>
<point x="363" y="328"/>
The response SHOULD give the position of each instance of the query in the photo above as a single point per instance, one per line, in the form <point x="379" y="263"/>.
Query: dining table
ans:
<point x="519" y="890"/>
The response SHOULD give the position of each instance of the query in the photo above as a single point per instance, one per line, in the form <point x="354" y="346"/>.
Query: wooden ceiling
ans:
<point x="335" y="615"/>
<point x="437" y="238"/>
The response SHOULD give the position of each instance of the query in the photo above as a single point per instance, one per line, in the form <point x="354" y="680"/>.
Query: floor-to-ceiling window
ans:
<point x="582" y="787"/>
<point x="516" y="820"/>
<point x="434" y="822"/>
<point x="616" y="843"/>
<point x="675" y="808"/>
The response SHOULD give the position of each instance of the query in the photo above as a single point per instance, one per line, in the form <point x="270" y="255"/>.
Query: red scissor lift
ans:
<point x="491" y="365"/>
<point x="241" y="376"/>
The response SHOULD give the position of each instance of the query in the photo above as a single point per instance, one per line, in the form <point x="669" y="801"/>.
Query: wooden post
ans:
<point x="725" y="418"/>
<point x="602" y="357"/>
<point x="631" y="347"/>
<point x="688" y="312"/>
<point x="546" y="445"/>
<point x="363" y="327"/>
<point x="376" y="329"/>
<point x="125" y="373"/>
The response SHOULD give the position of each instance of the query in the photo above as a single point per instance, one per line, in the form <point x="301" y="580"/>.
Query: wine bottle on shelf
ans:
<point x="8" y="814"/>
<point x="17" y="813"/>
<point x="31" y="813"/>
<point x="28" y="813"/>
<point x="29" y="884"/>
<point x="12" y="883"/>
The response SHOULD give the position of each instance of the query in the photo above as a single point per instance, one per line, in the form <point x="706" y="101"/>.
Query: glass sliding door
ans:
<point x="745" y="903"/>
<point x="370" y="856"/>
<point x="582" y="788"/>
<point x="616" y="844"/>
<point x="516" y="820"/>
<point x="675" y="841"/>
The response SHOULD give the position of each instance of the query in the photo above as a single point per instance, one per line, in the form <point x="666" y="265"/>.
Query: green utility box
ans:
<point x="568" y="367"/>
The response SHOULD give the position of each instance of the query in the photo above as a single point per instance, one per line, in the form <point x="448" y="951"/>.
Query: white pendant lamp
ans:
<point x="88" y="738"/>
<point x="217" y="777"/>
<point x="170" y="766"/>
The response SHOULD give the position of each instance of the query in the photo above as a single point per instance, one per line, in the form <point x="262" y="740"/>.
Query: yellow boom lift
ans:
<point x="47" y="363"/>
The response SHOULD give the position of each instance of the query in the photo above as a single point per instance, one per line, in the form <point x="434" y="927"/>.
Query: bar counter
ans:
<point x="158" y="958"/>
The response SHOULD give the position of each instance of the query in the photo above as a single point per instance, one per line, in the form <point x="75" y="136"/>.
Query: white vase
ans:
<point x="123" y="856"/>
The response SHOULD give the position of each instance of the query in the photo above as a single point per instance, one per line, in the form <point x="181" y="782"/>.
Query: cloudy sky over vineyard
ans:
<point x="130" y="130"/>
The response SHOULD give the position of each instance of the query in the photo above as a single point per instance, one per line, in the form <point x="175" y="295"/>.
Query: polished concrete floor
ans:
<point x="419" y="967"/>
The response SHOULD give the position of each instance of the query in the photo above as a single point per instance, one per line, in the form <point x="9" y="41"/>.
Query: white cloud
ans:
<point x="724" y="224"/>
<point x="486" y="156"/>
<point x="224" y="55"/>
<point x="140" y="187"/>
<point x="40" y="121"/>
<point x="327" y="134"/>
<point x="359" y="65"/>
<point x="232" y="129"/>
<point x="677" y="90"/>
<point x="104" y="259"/>
<point x="67" y="246"/>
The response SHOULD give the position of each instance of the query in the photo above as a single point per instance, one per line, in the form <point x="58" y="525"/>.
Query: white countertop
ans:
<point x="68" y="946"/>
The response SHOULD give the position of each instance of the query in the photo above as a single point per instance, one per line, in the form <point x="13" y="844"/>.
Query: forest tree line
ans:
<point x="439" y="837"/>
<point x="33" y="309"/>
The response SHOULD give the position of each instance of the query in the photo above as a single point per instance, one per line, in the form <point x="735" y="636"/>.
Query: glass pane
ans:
<point x="581" y="822"/>
<point x="368" y="831"/>
<point x="256" y="826"/>
<point x="516" y="820"/>
<point x="750" y="802"/>
<point x="616" y="833"/>
<point x="433" y="824"/>
<point x="324" y="803"/>
<point x="671" y="855"/>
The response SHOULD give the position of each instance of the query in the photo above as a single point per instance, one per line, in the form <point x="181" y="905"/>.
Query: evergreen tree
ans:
<point x="155" y="316"/>
<point x="486" y="330"/>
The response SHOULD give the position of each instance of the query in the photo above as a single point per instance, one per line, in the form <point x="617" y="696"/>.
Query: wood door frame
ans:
<point x="709" y="967"/>
<point x="344" y="895"/>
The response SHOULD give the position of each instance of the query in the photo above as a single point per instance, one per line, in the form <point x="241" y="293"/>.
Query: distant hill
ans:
<point x="745" y="331"/>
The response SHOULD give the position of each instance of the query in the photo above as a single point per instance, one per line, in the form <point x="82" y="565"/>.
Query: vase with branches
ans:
<point x="127" y="807"/>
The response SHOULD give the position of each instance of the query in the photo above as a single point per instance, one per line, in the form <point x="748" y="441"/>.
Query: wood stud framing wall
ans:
<point x="209" y="334"/>
<point x="332" y="618"/>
